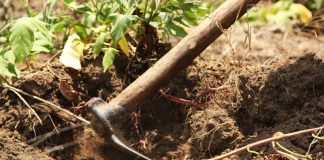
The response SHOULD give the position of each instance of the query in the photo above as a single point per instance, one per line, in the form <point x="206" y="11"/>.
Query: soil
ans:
<point x="246" y="92"/>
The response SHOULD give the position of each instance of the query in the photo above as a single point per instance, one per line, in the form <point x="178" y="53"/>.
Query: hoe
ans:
<point x="107" y="116"/>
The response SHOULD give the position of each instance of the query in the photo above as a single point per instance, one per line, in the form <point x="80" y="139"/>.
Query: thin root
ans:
<point x="41" y="138"/>
<point x="27" y="104"/>
<point x="180" y="100"/>
<point x="4" y="85"/>
<point x="60" y="147"/>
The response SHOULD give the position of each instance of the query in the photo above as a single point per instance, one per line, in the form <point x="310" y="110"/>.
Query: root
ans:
<point x="60" y="147"/>
<point x="27" y="104"/>
<point x="41" y="138"/>
<point x="45" y="101"/>
<point x="180" y="100"/>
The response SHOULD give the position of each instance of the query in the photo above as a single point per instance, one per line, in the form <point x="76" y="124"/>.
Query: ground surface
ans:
<point x="247" y="92"/>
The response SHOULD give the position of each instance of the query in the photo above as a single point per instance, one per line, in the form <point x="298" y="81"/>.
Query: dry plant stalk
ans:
<point x="268" y="140"/>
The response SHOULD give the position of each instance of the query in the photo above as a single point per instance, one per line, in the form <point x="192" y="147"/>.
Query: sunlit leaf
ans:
<point x="124" y="46"/>
<point x="109" y="57"/>
<point x="8" y="69"/>
<point x="41" y="44"/>
<point x="72" y="53"/>
<point x="21" y="38"/>
<point x="101" y="28"/>
<point x="10" y="56"/>
<point x="304" y="14"/>
<point x="24" y="32"/>
<point x="281" y="13"/>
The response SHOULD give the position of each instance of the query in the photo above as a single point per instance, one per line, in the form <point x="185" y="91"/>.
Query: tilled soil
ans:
<point x="244" y="94"/>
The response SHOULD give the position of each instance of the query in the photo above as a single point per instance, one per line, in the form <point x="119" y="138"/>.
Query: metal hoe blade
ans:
<point x="102" y="124"/>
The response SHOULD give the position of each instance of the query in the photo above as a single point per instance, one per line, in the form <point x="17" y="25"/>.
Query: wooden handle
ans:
<point x="179" y="57"/>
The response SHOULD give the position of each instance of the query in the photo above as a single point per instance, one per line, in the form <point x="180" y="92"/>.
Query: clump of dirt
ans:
<point x="284" y="90"/>
<point x="213" y="131"/>
<point x="287" y="99"/>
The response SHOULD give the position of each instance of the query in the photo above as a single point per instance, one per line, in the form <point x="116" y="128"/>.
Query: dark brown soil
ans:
<point x="277" y="85"/>
<point x="12" y="146"/>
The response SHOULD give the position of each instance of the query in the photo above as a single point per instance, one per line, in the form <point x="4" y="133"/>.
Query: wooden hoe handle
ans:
<point x="180" y="57"/>
<point x="106" y="116"/>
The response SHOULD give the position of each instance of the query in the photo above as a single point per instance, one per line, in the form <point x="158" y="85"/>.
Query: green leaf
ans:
<point x="186" y="22"/>
<point x="120" y="24"/>
<point x="40" y="26"/>
<point x="24" y="32"/>
<point x="89" y="20"/>
<point x="98" y="44"/>
<point x="81" y="31"/>
<point x="13" y="69"/>
<point x="10" y="56"/>
<point x="41" y="44"/>
<point x="21" y="38"/>
<point x="68" y="1"/>
<point x="189" y="15"/>
<point x="48" y="10"/>
<point x="4" y="50"/>
<point x="175" y="29"/>
<point x="51" y="5"/>
<point x="83" y="8"/>
<point x="123" y="3"/>
<point x="58" y="27"/>
<point x="109" y="57"/>
<point x="316" y="4"/>
<point x="8" y="69"/>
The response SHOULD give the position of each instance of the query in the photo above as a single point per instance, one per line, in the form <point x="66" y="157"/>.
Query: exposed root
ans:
<point x="41" y="138"/>
<point x="45" y="101"/>
<point x="180" y="100"/>
<point x="27" y="104"/>
<point x="60" y="147"/>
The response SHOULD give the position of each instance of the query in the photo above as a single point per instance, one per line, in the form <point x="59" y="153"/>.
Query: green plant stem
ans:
<point x="26" y="8"/>
<point x="145" y="8"/>
<point x="153" y="13"/>
<point x="95" y="4"/>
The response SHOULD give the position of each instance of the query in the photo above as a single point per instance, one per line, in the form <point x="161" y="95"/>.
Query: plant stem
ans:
<point x="268" y="140"/>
